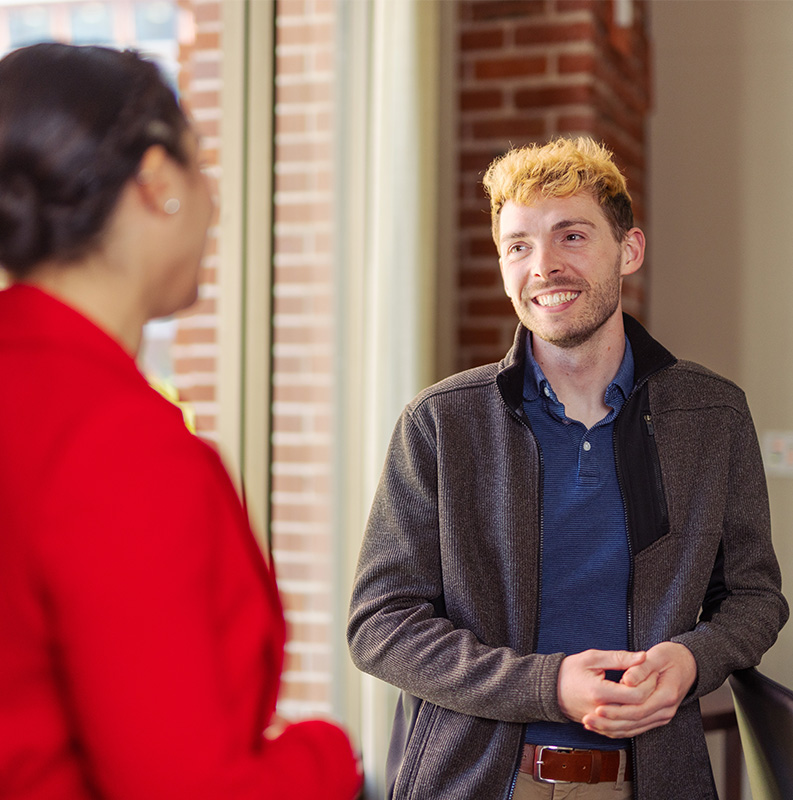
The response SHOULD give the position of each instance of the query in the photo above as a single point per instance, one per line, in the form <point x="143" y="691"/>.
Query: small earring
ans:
<point x="172" y="205"/>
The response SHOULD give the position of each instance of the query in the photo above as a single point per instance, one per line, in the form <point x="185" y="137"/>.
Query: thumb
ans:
<point x="620" y="660"/>
<point x="624" y="659"/>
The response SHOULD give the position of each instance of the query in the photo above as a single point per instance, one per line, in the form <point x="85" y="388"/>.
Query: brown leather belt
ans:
<point x="565" y="765"/>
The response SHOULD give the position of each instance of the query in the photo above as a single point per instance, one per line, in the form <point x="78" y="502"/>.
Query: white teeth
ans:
<point x="556" y="299"/>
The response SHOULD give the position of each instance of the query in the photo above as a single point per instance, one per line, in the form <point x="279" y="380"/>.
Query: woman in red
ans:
<point x="141" y="636"/>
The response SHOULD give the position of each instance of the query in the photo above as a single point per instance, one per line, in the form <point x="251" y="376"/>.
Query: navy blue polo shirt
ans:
<point x="584" y="546"/>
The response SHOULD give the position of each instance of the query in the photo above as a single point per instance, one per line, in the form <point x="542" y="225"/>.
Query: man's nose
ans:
<point x="546" y="262"/>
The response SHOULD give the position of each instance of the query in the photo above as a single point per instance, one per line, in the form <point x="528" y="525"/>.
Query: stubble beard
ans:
<point x="603" y="299"/>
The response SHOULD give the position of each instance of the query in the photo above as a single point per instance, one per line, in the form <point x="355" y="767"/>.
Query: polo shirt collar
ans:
<point x="535" y="383"/>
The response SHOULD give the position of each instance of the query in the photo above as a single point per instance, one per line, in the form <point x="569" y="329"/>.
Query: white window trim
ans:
<point x="245" y="278"/>
<point x="396" y="257"/>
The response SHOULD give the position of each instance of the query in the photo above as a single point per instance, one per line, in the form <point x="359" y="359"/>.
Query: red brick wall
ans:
<point x="529" y="69"/>
<point x="303" y="335"/>
<point x="195" y="352"/>
<point x="303" y="365"/>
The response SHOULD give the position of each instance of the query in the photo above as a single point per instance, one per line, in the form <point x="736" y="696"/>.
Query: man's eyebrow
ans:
<point x="507" y="237"/>
<point x="558" y="226"/>
<point x="571" y="223"/>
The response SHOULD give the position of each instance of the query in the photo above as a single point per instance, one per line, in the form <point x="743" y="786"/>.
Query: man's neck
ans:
<point x="580" y="375"/>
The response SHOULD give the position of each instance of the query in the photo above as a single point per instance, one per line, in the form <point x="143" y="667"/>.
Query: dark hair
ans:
<point x="74" y="125"/>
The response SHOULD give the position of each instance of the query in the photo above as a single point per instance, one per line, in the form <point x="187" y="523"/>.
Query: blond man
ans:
<point x="570" y="547"/>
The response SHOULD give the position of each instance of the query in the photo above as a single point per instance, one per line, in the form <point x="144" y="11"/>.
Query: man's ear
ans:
<point x="154" y="178"/>
<point x="632" y="251"/>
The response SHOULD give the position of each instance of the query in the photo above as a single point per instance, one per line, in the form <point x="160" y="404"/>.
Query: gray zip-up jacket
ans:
<point x="445" y="602"/>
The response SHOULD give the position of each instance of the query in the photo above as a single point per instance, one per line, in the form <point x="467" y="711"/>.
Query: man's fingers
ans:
<point x="652" y="686"/>
<point x="583" y="684"/>
<point x="619" y="720"/>
<point x="617" y="695"/>
<point x="628" y="731"/>
<point x="626" y="724"/>
<point x="635" y="675"/>
<point x="619" y="660"/>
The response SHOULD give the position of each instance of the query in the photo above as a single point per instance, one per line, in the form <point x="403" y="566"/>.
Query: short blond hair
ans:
<point x="561" y="168"/>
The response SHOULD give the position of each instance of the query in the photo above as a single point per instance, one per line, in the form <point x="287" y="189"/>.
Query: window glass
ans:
<point x="28" y="25"/>
<point x="92" y="23"/>
<point x="155" y="21"/>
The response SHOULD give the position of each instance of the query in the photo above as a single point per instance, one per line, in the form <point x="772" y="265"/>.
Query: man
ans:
<point x="566" y="549"/>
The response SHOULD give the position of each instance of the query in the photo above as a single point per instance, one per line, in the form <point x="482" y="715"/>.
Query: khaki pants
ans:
<point x="527" y="788"/>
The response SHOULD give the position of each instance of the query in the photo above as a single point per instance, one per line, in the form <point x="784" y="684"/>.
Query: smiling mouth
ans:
<point x="555" y="299"/>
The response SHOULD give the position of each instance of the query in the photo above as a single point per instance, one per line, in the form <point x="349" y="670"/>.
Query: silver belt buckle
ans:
<point x="538" y="754"/>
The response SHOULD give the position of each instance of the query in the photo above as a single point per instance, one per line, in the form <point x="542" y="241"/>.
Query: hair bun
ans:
<point x="74" y="125"/>
<point x="23" y="230"/>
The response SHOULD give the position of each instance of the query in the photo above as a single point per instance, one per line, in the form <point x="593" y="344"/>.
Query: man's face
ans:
<point x="562" y="266"/>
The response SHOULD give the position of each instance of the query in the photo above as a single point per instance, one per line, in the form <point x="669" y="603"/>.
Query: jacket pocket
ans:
<point x="639" y="469"/>
<point x="660" y="510"/>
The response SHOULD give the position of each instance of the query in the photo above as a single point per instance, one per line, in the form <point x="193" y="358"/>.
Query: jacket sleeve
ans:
<point x="398" y="629"/>
<point x="167" y="630"/>
<point x="743" y="608"/>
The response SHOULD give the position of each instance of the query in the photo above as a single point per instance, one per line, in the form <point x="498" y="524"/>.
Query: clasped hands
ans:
<point x="653" y="684"/>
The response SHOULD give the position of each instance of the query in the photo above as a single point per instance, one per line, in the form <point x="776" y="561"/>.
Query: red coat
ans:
<point x="141" y="634"/>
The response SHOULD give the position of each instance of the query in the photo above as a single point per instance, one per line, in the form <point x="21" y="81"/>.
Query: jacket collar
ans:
<point x="649" y="357"/>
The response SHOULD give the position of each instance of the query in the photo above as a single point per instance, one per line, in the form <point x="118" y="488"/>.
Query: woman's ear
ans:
<point x="155" y="178"/>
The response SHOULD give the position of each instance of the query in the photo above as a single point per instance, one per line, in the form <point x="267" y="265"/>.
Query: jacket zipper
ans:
<point x="648" y="421"/>
<point x="538" y="598"/>
<point x="629" y="542"/>
<point x="659" y="484"/>
<point x="514" y="783"/>
<point x="629" y="598"/>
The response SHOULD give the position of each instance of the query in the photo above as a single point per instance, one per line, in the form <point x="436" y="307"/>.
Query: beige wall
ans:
<point x="721" y="214"/>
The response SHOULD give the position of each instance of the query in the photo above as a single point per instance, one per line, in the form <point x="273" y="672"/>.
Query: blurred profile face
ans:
<point x="198" y="205"/>
<point x="191" y="222"/>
